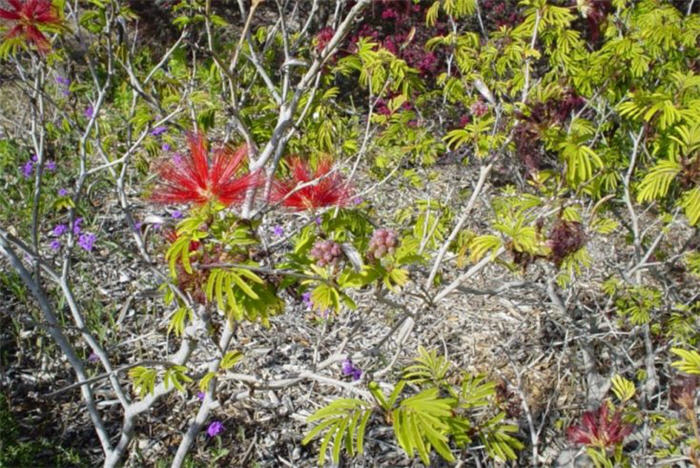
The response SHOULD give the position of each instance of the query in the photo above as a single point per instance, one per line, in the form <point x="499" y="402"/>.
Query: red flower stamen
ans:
<point x="319" y="188"/>
<point x="193" y="179"/>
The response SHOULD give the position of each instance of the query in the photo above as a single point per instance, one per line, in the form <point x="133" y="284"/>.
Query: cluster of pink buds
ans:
<point x="479" y="108"/>
<point x="383" y="241"/>
<point x="326" y="252"/>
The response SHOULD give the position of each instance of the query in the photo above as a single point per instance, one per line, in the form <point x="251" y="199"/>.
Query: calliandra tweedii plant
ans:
<point x="320" y="189"/>
<point x="196" y="179"/>
<point x="27" y="18"/>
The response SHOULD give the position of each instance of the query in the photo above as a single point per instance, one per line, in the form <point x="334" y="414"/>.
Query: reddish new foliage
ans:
<point x="599" y="429"/>
<point x="566" y="238"/>
<point x="323" y="37"/>
<point x="323" y="189"/>
<point x="193" y="179"/>
<point x="27" y="17"/>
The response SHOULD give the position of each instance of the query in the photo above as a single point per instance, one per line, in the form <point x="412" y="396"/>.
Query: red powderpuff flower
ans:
<point x="598" y="429"/>
<point x="28" y="16"/>
<point x="193" y="178"/>
<point x="320" y="188"/>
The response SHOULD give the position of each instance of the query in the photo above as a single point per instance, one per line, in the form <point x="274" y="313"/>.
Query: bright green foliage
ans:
<point x="622" y="388"/>
<point x="420" y="424"/>
<point x="379" y="70"/>
<point x="638" y="303"/>
<point x="143" y="379"/>
<point x="689" y="363"/>
<point x="433" y="415"/>
<point x="344" y="422"/>
<point x="429" y="368"/>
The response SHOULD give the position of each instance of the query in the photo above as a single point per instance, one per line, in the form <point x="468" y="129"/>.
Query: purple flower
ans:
<point x="59" y="230"/>
<point x="306" y="298"/>
<point x="351" y="370"/>
<point x="357" y="200"/>
<point x="159" y="130"/>
<point x="55" y="244"/>
<point x="93" y="357"/>
<point x="87" y="241"/>
<point x="137" y="226"/>
<point x="318" y="220"/>
<point x="177" y="214"/>
<point x="166" y="147"/>
<point x="62" y="192"/>
<point x="215" y="428"/>
<point x="76" y="225"/>
<point x="65" y="85"/>
<point x="51" y="165"/>
<point x="177" y="159"/>
<point x="278" y="231"/>
<point x="27" y="169"/>
<point x="200" y="396"/>
<point x="35" y="158"/>
<point x="157" y="226"/>
<point x="89" y="112"/>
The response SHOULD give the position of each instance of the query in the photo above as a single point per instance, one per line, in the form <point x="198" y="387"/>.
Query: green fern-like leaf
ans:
<point x="344" y="422"/>
<point x="689" y="362"/>
<point x="656" y="183"/>
<point x="420" y="423"/>
<point x="429" y="367"/>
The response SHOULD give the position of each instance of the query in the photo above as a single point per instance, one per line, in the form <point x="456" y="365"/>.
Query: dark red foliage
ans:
<point x="194" y="179"/>
<point x="595" y="12"/>
<point x="27" y="17"/>
<point x="499" y="13"/>
<point x="599" y="429"/>
<point x="323" y="38"/>
<point x="321" y="188"/>
<point x="682" y="392"/>
<point x="565" y="238"/>
<point x="541" y="116"/>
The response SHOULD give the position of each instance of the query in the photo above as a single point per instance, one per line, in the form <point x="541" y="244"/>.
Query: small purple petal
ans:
<point x="166" y="147"/>
<point x="159" y="131"/>
<point x="76" y="225"/>
<point x="35" y="158"/>
<point x="137" y="225"/>
<point x="59" y="230"/>
<point x="89" y="112"/>
<point x="62" y="192"/>
<point x="93" y="357"/>
<point x="278" y="231"/>
<point x="357" y="200"/>
<point x="27" y="169"/>
<point x="200" y="396"/>
<point x="349" y="369"/>
<point x="318" y="220"/>
<point x="215" y="428"/>
<point x="306" y="298"/>
<point x="51" y="165"/>
<point x="177" y="214"/>
<point x="177" y="159"/>
<point x="87" y="241"/>
<point x="55" y="244"/>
